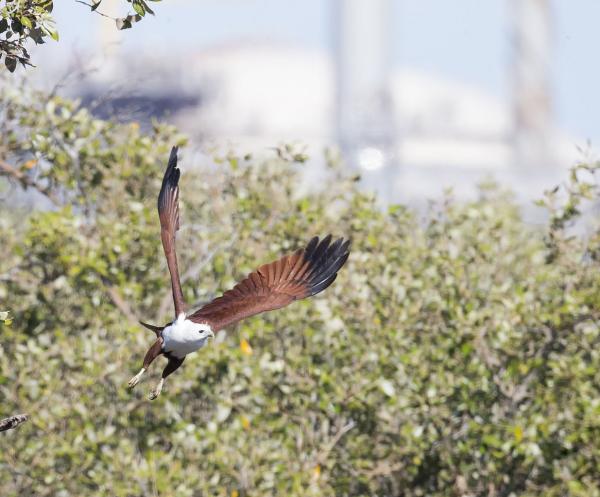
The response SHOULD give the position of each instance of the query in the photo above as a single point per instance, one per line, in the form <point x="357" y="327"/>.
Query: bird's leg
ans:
<point x="153" y="352"/>
<point x="172" y="365"/>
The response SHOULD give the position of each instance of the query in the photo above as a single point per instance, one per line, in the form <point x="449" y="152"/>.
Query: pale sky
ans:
<point x="463" y="40"/>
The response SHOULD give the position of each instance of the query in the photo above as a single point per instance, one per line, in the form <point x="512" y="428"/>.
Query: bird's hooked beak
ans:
<point x="210" y="334"/>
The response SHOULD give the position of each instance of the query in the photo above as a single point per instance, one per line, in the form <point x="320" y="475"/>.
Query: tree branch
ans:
<point x="91" y="6"/>
<point x="7" y="170"/>
<point x="13" y="421"/>
<point x="121" y="304"/>
<point x="325" y="451"/>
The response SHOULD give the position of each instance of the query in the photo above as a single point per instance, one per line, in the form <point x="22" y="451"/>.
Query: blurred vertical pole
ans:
<point x="109" y="41"/>
<point x="532" y="63"/>
<point x="364" y="115"/>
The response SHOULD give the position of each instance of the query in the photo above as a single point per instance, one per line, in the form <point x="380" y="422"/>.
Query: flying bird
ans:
<point x="296" y="276"/>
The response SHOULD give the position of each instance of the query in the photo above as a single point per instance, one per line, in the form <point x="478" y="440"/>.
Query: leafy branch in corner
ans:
<point x="26" y="21"/>
<point x="21" y="22"/>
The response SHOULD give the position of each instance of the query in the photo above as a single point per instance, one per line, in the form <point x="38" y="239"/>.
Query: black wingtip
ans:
<point x="172" y="172"/>
<point x="170" y="179"/>
<point x="173" y="156"/>
<point x="326" y="259"/>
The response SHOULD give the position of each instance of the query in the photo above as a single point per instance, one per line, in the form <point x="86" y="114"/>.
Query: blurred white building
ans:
<point x="254" y="95"/>
<point x="410" y="133"/>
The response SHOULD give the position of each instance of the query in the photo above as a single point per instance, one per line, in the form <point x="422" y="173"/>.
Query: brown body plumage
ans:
<point x="302" y="274"/>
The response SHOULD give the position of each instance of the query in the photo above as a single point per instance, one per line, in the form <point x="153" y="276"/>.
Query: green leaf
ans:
<point x="26" y="22"/>
<point x="127" y="22"/>
<point x="139" y="8"/>
<point x="146" y="7"/>
<point x="123" y="23"/>
<point x="10" y="62"/>
<point x="16" y="26"/>
<point x="47" y="5"/>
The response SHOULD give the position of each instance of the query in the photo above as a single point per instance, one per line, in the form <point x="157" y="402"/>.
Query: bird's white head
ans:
<point x="184" y="336"/>
<point x="206" y="332"/>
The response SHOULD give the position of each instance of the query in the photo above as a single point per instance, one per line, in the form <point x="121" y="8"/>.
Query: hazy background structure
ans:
<point x="419" y="96"/>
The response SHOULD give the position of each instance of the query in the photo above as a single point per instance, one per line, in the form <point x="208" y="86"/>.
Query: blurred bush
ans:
<point x="455" y="355"/>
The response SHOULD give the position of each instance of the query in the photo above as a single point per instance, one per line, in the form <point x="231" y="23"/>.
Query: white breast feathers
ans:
<point x="183" y="336"/>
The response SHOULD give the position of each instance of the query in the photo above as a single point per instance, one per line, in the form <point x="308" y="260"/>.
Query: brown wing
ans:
<point x="272" y="286"/>
<point x="168" y="212"/>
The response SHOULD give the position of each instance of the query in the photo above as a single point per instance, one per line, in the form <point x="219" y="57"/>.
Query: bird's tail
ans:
<point x="155" y="329"/>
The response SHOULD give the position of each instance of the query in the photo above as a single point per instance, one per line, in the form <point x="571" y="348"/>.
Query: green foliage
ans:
<point x="451" y="357"/>
<point x="24" y="21"/>
<point x="5" y="318"/>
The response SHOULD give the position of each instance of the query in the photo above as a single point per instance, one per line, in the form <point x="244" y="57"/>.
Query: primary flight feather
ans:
<point x="272" y="286"/>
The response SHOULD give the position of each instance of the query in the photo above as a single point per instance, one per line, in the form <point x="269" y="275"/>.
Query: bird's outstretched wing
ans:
<point x="168" y="212"/>
<point x="272" y="286"/>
